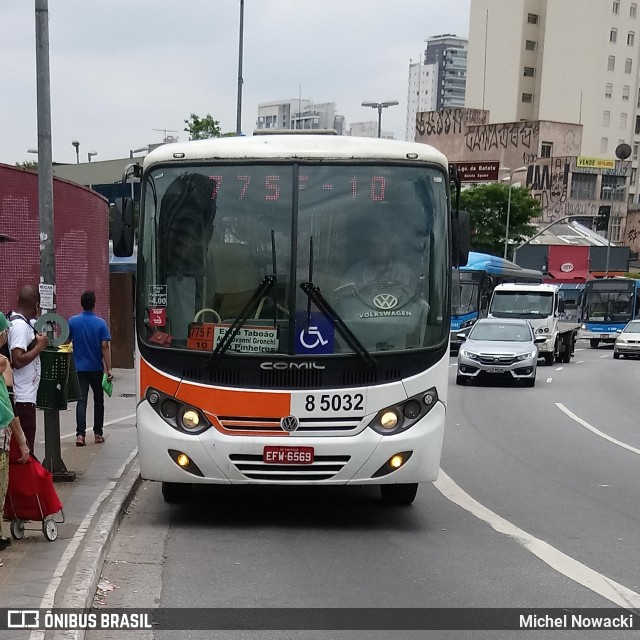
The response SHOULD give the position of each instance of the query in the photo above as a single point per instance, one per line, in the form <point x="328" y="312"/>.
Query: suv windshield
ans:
<point x="370" y="237"/>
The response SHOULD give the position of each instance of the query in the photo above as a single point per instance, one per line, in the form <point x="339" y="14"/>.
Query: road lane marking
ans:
<point x="591" y="428"/>
<point x="605" y="356"/>
<point x="556" y="559"/>
<point x="549" y="379"/>
<point x="559" y="368"/>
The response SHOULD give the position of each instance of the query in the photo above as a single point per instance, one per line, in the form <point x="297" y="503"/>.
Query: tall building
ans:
<point x="438" y="82"/>
<point x="299" y="114"/>
<point x="574" y="61"/>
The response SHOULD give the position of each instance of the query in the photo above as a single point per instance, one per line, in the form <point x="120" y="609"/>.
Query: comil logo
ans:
<point x="385" y="301"/>
<point x="566" y="267"/>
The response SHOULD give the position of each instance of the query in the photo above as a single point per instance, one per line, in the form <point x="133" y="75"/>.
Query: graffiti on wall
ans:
<point x="548" y="180"/>
<point x="448" y="121"/>
<point x="512" y="135"/>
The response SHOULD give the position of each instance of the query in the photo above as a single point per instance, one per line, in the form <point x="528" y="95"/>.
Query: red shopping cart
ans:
<point x="31" y="496"/>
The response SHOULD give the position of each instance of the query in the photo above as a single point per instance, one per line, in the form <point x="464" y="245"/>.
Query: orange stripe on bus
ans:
<point x="227" y="402"/>
<point x="149" y="377"/>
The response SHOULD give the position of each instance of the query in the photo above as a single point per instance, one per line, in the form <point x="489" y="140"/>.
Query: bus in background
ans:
<point x="607" y="305"/>
<point x="477" y="280"/>
<point x="572" y="296"/>
<point x="280" y="340"/>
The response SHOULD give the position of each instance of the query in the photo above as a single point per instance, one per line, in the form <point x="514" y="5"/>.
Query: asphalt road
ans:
<point x="536" y="506"/>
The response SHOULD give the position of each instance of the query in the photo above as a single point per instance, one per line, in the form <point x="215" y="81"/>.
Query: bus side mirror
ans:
<point x="461" y="238"/>
<point x="122" y="228"/>
<point x="561" y="305"/>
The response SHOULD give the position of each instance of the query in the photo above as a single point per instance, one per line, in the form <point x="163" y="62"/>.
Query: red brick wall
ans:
<point x="81" y="230"/>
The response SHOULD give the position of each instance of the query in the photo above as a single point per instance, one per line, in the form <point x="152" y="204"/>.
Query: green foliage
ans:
<point x="202" y="128"/>
<point x="487" y="207"/>
<point x="28" y="164"/>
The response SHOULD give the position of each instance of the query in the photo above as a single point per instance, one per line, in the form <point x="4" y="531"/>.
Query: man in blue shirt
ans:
<point x="92" y="357"/>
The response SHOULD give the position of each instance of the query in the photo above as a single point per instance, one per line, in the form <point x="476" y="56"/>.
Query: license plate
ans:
<point x="604" y="335"/>
<point x="496" y="370"/>
<point x="287" y="455"/>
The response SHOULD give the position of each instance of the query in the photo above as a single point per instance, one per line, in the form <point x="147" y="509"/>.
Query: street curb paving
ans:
<point x="95" y="545"/>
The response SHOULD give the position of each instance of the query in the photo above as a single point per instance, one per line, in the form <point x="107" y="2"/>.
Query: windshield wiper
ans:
<point x="314" y="294"/>
<point x="262" y="289"/>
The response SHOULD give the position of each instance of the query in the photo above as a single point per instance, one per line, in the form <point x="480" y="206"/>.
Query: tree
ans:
<point x="487" y="207"/>
<point x="27" y="164"/>
<point x="202" y="128"/>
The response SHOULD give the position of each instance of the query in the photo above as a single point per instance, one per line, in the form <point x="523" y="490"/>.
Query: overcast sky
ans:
<point x="123" y="69"/>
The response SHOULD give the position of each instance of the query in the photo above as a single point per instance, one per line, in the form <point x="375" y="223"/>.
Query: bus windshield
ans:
<point x="608" y="306"/>
<point x="371" y="238"/>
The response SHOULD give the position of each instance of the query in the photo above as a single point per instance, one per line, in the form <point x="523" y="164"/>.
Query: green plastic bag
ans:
<point x="107" y="385"/>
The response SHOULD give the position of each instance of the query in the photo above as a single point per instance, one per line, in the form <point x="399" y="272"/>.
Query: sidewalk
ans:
<point x="38" y="573"/>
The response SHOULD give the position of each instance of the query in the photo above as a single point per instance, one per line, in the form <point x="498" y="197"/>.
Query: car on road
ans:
<point x="628" y="341"/>
<point x="499" y="348"/>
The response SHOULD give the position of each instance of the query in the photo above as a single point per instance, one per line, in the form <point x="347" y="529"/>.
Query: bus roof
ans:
<point x="289" y="147"/>
<point x="494" y="264"/>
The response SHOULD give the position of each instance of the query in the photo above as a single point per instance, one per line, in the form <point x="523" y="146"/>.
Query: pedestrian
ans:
<point x="92" y="357"/>
<point x="25" y="347"/>
<point x="8" y="424"/>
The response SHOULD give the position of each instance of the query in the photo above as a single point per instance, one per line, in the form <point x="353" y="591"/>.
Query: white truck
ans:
<point x="543" y="306"/>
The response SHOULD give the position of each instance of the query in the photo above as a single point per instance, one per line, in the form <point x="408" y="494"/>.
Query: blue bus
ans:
<point x="473" y="285"/>
<point x="607" y="305"/>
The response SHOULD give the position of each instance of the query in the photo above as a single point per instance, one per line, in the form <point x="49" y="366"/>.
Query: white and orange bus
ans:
<point x="293" y="300"/>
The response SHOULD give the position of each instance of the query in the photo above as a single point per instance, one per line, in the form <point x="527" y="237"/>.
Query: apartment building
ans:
<point x="572" y="61"/>
<point x="438" y="81"/>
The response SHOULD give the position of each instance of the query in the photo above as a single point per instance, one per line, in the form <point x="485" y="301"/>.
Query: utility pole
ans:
<point x="52" y="458"/>
<point x="240" y="81"/>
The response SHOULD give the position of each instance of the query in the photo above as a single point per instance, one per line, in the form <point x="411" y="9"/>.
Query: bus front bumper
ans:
<point x="340" y="460"/>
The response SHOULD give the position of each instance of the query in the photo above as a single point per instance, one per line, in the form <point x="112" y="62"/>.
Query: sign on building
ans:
<point x="595" y="163"/>
<point x="477" y="171"/>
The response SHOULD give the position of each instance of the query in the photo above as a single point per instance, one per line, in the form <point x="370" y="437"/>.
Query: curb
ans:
<point x="86" y="574"/>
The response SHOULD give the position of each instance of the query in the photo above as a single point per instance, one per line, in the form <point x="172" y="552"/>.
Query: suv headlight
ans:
<point x="399" y="417"/>
<point x="468" y="354"/>
<point x="525" y="356"/>
<point x="179" y="415"/>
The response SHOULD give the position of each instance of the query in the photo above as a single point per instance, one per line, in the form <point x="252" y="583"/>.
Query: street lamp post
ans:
<point x="91" y="154"/>
<point x="140" y="150"/>
<point x="380" y="106"/>
<point x="240" y="80"/>
<point x="537" y="235"/>
<point x="52" y="453"/>
<point x="76" y="144"/>
<point x="506" y="231"/>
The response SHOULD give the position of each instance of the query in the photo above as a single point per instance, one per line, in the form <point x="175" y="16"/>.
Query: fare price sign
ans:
<point x="249" y="339"/>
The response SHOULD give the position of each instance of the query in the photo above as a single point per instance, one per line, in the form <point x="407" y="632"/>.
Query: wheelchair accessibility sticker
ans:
<point x="314" y="333"/>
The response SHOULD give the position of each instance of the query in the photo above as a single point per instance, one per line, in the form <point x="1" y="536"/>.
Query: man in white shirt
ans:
<point x="26" y="345"/>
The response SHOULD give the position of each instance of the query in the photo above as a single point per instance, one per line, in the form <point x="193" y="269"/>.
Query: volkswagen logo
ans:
<point x="385" y="301"/>
<point x="289" y="424"/>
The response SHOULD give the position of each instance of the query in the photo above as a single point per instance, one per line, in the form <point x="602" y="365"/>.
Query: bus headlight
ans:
<point x="190" y="419"/>
<point x="178" y="415"/>
<point x="389" y="419"/>
<point x="401" y="416"/>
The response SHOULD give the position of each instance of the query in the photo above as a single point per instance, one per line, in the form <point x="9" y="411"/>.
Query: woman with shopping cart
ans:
<point x="9" y="425"/>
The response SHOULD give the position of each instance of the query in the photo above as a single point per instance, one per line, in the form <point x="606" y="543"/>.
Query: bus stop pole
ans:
<point x="52" y="457"/>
